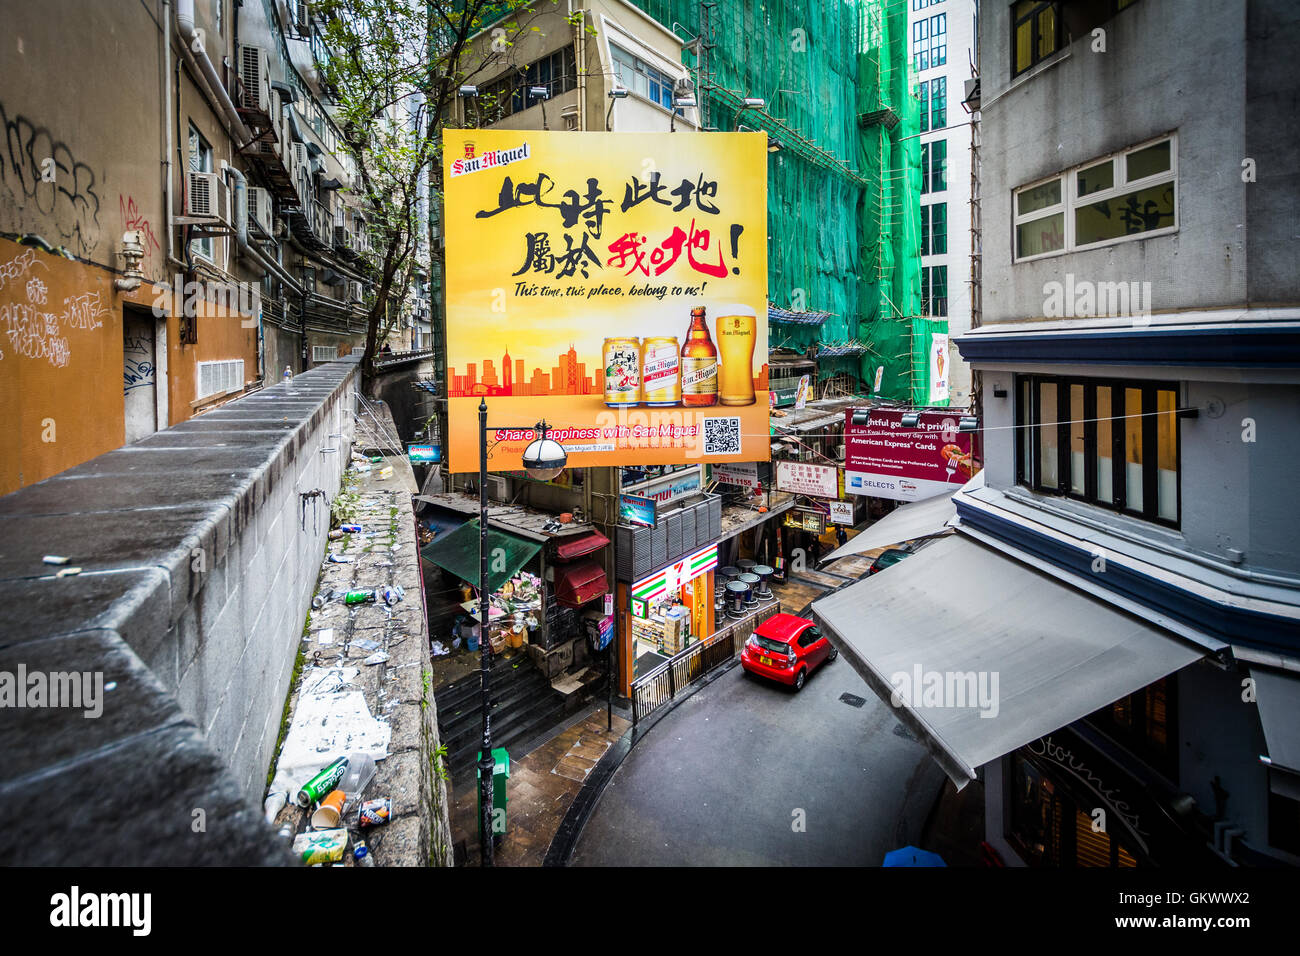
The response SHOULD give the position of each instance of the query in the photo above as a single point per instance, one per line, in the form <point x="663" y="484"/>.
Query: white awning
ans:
<point x="916" y="519"/>
<point x="1015" y="652"/>
<point x="1277" y="695"/>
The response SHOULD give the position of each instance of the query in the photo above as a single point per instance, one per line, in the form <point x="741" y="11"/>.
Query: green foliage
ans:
<point x="343" y="509"/>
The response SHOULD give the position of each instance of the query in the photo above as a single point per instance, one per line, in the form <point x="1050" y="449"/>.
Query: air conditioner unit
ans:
<point x="204" y="196"/>
<point x="255" y="76"/>
<point x="496" y="488"/>
<point x="301" y="12"/>
<point x="839" y="452"/>
<point x="259" y="207"/>
<point x="358" y="291"/>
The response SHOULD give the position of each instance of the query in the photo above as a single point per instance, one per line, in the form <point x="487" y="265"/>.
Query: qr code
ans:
<point x="721" y="436"/>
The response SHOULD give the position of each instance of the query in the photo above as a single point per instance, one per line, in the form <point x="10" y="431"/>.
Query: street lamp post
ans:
<point x="543" y="459"/>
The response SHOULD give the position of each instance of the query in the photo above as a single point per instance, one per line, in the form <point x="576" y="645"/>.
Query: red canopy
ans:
<point x="576" y="584"/>
<point x="576" y="546"/>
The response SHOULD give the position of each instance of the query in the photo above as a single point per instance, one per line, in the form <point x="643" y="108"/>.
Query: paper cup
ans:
<point x="329" y="812"/>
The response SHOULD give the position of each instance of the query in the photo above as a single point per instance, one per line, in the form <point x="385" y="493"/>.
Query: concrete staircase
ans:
<point x="524" y="705"/>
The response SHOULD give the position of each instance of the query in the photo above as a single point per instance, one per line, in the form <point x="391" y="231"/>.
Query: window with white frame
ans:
<point x="635" y="74"/>
<point x="200" y="159"/>
<point x="934" y="166"/>
<point x="934" y="291"/>
<point x="1128" y="195"/>
<point x="930" y="42"/>
<point x="934" y="229"/>
<point x="217" y="377"/>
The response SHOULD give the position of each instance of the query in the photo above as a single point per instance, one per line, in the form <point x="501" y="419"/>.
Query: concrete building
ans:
<point x="1138" y="364"/>
<point x="941" y="41"/>
<point x="184" y="221"/>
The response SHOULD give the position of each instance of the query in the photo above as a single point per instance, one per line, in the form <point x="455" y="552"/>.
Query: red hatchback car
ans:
<point x="786" y="648"/>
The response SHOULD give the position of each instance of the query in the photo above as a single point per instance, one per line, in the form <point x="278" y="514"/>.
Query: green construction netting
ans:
<point x="843" y="192"/>
<point x="458" y="552"/>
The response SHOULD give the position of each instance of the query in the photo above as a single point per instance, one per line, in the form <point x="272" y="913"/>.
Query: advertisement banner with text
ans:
<point x="885" y="460"/>
<point x="614" y="284"/>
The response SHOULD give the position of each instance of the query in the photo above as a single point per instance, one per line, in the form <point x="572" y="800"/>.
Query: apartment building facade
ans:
<point x="1138" y="355"/>
<point x="181" y="219"/>
<point x="941" y="38"/>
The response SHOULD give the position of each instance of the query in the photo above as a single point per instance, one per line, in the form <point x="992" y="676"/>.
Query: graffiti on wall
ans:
<point x="134" y="219"/>
<point x="34" y="327"/>
<point x="138" y="367"/>
<point x="44" y="179"/>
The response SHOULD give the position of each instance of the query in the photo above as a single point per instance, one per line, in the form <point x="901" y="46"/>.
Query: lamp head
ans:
<point x="544" y="458"/>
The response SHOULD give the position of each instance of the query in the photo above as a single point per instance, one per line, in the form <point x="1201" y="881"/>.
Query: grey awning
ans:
<point x="1277" y="694"/>
<point x="915" y="519"/>
<point x="958" y="608"/>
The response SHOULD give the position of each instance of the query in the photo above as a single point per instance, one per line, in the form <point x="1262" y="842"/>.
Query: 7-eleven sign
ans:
<point x="675" y="575"/>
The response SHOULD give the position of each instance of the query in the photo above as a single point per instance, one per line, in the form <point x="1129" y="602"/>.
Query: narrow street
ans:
<point x="725" y="778"/>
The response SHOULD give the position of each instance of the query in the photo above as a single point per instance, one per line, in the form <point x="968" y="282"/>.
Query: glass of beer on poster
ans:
<point x="736" y="328"/>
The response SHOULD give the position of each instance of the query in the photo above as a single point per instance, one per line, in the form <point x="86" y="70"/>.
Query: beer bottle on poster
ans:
<point x="737" y="327"/>
<point x="699" y="363"/>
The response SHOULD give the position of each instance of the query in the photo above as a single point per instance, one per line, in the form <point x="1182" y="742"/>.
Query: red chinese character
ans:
<point x="628" y="247"/>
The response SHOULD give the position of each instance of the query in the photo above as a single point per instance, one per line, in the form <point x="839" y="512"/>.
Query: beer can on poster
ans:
<point x="661" y="380"/>
<point x="622" y="360"/>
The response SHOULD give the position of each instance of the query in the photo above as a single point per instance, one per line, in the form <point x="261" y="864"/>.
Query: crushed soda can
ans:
<point x="375" y="813"/>
<point x="350" y="528"/>
<point x="390" y="595"/>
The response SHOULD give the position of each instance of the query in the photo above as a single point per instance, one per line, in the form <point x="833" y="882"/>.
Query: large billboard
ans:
<point x="614" y="284"/>
<point x="884" y="459"/>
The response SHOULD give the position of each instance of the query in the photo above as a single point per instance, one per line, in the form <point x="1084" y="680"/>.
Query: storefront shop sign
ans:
<point x="600" y="632"/>
<point x="675" y="575"/>
<point x="884" y="459"/>
<point x="802" y="478"/>
<point x="633" y="509"/>
<point x="1064" y="757"/>
<point x="666" y="488"/>
<point x="806" y="519"/>
<point x="638" y="608"/>
<point x="744" y="474"/>
<point x="417" y="454"/>
<point x="841" y="512"/>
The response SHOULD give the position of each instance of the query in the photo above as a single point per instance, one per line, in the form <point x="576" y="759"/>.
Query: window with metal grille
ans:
<point x="222" y="376"/>
<point x="324" y="353"/>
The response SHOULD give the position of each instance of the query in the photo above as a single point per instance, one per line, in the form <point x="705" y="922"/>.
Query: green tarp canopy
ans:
<point x="458" y="553"/>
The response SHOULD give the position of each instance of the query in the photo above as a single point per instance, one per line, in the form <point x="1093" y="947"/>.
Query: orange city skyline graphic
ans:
<point x="567" y="376"/>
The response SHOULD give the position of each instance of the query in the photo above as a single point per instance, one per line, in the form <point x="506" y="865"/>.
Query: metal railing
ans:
<point x="659" y="687"/>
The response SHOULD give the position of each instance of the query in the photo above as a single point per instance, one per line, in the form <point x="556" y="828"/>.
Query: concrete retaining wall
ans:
<point x="198" y="559"/>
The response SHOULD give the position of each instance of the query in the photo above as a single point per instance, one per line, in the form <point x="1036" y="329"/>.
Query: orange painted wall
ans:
<point x="61" y="361"/>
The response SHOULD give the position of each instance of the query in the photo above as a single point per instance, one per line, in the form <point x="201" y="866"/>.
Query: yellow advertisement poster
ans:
<point x="613" y="284"/>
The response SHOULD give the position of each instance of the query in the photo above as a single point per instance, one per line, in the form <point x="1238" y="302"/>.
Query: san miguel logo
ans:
<point x="493" y="158"/>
